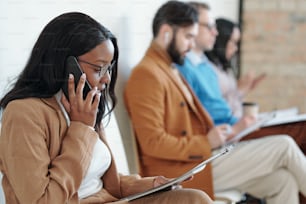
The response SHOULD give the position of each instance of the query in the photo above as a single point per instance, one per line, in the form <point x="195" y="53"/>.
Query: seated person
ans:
<point x="52" y="148"/>
<point x="201" y="75"/>
<point x="174" y="132"/>
<point x="222" y="54"/>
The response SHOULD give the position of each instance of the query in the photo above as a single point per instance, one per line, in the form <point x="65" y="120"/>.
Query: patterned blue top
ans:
<point x="200" y="74"/>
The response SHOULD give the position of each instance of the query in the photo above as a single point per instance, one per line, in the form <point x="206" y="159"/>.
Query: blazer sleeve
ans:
<point x="131" y="184"/>
<point x="33" y="176"/>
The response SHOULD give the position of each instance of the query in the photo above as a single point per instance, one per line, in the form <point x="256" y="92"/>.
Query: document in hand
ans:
<point x="260" y="123"/>
<point x="282" y="113"/>
<point x="174" y="182"/>
<point x="283" y="119"/>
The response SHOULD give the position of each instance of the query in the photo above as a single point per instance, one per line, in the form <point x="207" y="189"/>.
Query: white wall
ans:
<point x="21" y="22"/>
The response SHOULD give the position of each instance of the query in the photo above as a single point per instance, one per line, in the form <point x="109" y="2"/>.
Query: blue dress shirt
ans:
<point x="199" y="73"/>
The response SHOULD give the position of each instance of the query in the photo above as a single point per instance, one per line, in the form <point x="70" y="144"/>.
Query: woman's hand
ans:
<point x="160" y="180"/>
<point x="81" y="110"/>
<point x="249" y="81"/>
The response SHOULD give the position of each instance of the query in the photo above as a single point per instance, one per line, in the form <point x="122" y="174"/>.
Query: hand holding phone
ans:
<point x="79" y="109"/>
<point x="73" y="67"/>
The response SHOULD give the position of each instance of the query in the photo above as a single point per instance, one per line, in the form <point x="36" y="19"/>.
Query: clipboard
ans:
<point x="174" y="182"/>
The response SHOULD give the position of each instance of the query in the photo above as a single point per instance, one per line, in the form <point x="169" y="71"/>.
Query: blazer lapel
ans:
<point x="52" y="102"/>
<point x="165" y="64"/>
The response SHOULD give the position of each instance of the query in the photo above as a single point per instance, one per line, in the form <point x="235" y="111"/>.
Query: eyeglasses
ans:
<point x="209" y="26"/>
<point x="100" y="69"/>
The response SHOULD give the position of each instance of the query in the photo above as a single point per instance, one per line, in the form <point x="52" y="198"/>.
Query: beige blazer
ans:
<point x="170" y="129"/>
<point x="44" y="161"/>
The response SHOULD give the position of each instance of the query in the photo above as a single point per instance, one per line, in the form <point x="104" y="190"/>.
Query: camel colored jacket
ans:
<point x="171" y="131"/>
<point x="44" y="161"/>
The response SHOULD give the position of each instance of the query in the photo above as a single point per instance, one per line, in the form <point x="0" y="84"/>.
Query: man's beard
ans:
<point x="174" y="53"/>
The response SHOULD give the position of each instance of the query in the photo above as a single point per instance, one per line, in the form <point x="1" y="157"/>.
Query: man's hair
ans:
<point x="199" y="5"/>
<point x="174" y="13"/>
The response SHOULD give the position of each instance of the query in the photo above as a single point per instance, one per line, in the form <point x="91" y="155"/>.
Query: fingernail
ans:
<point x="98" y="95"/>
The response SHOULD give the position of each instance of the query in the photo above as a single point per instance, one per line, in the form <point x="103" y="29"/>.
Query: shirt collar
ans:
<point x="58" y="96"/>
<point x="196" y="59"/>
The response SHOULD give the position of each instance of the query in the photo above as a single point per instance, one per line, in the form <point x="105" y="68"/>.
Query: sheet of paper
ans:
<point x="279" y="120"/>
<point x="292" y="111"/>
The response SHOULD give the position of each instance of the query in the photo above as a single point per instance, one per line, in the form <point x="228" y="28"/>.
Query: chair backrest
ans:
<point x="115" y="142"/>
<point x="124" y="124"/>
<point x="2" y="200"/>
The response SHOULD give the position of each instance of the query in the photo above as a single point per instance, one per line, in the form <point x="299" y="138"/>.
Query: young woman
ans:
<point x="52" y="147"/>
<point x="224" y="51"/>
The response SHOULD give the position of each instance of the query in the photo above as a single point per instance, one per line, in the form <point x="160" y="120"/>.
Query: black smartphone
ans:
<point x="73" y="67"/>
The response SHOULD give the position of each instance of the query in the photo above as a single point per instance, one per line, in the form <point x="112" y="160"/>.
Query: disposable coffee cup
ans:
<point x="250" y="109"/>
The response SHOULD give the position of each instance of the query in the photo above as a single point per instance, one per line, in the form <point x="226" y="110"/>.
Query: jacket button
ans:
<point x="184" y="133"/>
<point x="182" y="104"/>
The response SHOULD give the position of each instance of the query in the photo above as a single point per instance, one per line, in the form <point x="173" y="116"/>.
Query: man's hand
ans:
<point x="218" y="135"/>
<point x="244" y="122"/>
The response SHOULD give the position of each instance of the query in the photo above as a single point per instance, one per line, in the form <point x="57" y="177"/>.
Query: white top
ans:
<point x="100" y="162"/>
